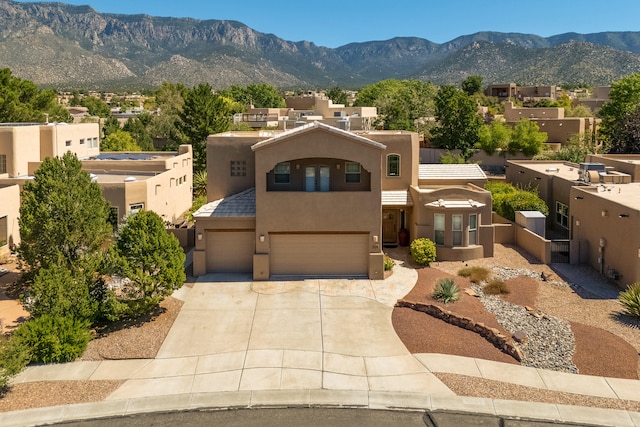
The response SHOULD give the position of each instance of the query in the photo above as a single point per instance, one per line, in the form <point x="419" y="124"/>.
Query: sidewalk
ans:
<point x="242" y="344"/>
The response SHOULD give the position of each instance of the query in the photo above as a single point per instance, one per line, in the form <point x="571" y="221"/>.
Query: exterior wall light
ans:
<point x="199" y="236"/>
<point x="262" y="238"/>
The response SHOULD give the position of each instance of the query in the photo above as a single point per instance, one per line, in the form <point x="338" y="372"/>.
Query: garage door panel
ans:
<point x="319" y="254"/>
<point x="230" y="251"/>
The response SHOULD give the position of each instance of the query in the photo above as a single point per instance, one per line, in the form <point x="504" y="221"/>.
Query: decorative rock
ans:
<point x="520" y="337"/>
<point x="529" y="309"/>
<point x="471" y="292"/>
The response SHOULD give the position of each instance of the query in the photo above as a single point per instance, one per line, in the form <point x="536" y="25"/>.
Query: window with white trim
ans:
<point x="136" y="207"/>
<point x="456" y="227"/>
<point x="352" y="172"/>
<point x="393" y="165"/>
<point x="438" y="229"/>
<point x="562" y="214"/>
<point x="473" y="229"/>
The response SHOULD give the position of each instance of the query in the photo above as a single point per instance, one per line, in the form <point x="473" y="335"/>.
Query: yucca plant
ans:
<point x="630" y="300"/>
<point x="446" y="291"/>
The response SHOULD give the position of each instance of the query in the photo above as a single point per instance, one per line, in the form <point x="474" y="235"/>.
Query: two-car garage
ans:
<point x="290" y="253"/>
<point x="319" y="254"/>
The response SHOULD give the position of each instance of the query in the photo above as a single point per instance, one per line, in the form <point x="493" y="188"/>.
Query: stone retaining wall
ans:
<point x="492" y="335"/>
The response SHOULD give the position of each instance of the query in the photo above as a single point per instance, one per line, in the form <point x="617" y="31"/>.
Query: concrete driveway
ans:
<point x="234" y="335"/>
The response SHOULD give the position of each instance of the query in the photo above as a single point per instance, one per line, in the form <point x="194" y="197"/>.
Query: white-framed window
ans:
<point x="157" y="189"/>
<point x="136" y="207"/>
<point x="438" y="229"/>
<point x="562" y="214"/>
<point x="473" y="229"/>
<point x="352" y="172"/>
<point x="456" y="228"/>
<point x="95" y="143"/>
<point x="393" y="165"/>
<point x="3" y="163"/>
<point x="4" y="231"/>
<point x="282" y="173"/>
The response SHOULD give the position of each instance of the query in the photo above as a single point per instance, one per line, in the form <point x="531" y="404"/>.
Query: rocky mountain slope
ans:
<point x="55" y="44"/>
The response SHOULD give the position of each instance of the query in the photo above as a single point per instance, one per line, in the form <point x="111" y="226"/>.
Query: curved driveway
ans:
<point x="236" y="335"/>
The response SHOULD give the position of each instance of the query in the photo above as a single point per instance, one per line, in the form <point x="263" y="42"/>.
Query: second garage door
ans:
<point x="230" y="251"/>
<point x="319" y="254"/>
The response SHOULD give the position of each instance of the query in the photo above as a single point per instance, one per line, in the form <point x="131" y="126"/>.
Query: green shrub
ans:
<point x="496" y="287"/>
<point x="630" y="300"/>
<point x="13" y="358"/>
<point x="474" y="274"/>
<point x="388" y="263"/>
<point x="423" y="251"/>
<point x="446" y="291"/>
<point x="54" y="339"/>
<point x="507" y="199"/>
<point x="198" y="202"/>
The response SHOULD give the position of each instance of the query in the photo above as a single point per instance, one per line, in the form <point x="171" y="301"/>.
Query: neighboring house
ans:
<point x="597" y="204"/>
<point x="21" y="144"/>
<point x="157" y="181"/>
<point x="9" y="212"/>
<point x="528" y="93"/>
<point x="301" y="110"/>
<point x="551" y="120"/>
<point x="321" y="201"/>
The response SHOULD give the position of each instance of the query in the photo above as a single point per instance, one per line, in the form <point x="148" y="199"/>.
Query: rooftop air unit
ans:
<point x="585" y="169"/>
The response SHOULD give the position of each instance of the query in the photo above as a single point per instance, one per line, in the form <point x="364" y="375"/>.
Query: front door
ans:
<point x="317" y="178"/>
<point x="389" y="226"/>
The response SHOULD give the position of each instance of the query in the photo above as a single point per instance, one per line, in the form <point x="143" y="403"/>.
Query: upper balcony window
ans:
<point x="352" y="172"/>
<point x="393" y="165"/>
<point x="282" y="173"/>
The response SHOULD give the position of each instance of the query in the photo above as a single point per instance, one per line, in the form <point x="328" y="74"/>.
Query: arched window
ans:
<point x="393" y="165"/>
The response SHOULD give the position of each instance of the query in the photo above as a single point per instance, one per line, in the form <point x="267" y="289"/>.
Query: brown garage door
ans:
<point x="230" y="251"/>
<point x="319" y="254"/>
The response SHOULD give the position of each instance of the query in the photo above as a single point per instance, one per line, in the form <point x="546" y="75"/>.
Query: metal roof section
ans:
<point x="397" y="198"/>
<point x="242" y="204"/>
<point x="456" y="204"/>
<point x="310" y="127"/>
<point x="438" y="172"/>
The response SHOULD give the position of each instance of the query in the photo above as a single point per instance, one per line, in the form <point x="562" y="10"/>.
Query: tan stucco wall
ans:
<point x="21" y="145"/>
<point x="224" y="148"/>
<point x="10" y="207"/>
<point x="621" y="235"/>
<point x="422" y="224"/>
<point x="334" y="211"/>
<point x="407" y="145"/>
<point x="533" y="244"/>
<point x="53" y="139"/>
<point x="513" y="113"/>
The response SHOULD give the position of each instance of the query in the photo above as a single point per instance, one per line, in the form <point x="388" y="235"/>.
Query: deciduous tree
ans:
<point x="458" y="121"/>
<point x="494" y="137"/>
<point x="624" y="100"/>
<point x="119" y="140"/>
<point x="527" y="138"/>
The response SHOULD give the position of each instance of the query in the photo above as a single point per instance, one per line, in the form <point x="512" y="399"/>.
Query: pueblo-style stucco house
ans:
<point x="320" y="201"/>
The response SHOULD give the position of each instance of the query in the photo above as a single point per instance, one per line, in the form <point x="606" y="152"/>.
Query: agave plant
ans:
<point x="446" y="291"/>
<point x="200" y="183"/>
<point x="630" y="300"/>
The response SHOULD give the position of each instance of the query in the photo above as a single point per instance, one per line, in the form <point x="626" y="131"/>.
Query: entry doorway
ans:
<point x="317" y="178"/>
<point x="390" y="227"/>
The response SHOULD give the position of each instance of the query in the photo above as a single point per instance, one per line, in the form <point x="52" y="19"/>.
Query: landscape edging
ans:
<point x="492" y="335"/>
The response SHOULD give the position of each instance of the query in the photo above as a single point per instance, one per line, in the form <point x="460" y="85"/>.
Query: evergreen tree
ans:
<point x="63" y="216"/>
<point x="150" y="258"/>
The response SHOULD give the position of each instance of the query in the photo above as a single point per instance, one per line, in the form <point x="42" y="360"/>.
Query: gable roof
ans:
<point x="242" y="204"/>
<point x="315" y="126"/>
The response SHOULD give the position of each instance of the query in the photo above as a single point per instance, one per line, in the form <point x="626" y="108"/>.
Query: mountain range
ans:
<point x="71" y="47"/>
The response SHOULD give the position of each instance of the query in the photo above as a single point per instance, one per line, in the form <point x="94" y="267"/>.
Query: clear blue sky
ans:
<point x="334" y="24"/>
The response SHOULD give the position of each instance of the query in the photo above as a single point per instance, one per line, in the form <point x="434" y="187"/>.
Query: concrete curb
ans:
<point x="373" y="400"/>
